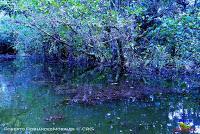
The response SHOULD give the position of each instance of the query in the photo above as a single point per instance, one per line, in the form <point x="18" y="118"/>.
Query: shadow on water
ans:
<point x="36" y="94"/>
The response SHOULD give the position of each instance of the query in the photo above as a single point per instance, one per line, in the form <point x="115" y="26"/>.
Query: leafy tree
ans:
<point x="158" y="33"/>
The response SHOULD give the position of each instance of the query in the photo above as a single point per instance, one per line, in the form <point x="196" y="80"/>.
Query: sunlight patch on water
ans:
<point x="5" y="93"/>
<point x="3" y="87"/>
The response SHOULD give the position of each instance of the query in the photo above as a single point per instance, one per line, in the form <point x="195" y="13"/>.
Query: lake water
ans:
<point x="28" y="100"/>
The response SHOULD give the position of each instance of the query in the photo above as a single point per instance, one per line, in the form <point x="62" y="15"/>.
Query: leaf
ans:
<point x="184" y="85"/>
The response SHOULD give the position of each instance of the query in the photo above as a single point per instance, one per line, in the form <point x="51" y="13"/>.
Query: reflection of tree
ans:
<point x="184" y="111"/>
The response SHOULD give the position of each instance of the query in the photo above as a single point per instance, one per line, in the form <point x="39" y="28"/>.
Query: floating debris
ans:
<point x="108" y="114"/>
<point x="114" y="83"/>
<point x="118" y="118"/>
<point x="54" y="118"/>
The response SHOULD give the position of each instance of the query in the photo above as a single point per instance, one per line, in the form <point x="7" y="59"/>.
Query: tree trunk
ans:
<point x="121" y="55"/>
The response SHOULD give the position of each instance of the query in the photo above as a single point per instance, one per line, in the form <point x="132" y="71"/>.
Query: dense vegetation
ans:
<point x="133" y="33"/>
<point x="111" y="66"/>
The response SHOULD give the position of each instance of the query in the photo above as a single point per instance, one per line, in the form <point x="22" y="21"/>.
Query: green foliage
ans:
<point x="159" y="34"/>
<point x="182" y="33"/>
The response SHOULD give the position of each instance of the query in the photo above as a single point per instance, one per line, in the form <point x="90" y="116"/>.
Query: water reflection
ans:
<point x="184" y="112"/>
<point x="28" y="99"/>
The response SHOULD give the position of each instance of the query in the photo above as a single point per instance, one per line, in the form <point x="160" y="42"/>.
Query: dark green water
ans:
<point x="28" y="100"/>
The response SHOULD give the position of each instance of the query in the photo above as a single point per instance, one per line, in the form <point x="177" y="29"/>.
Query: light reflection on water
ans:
<point x="5" y="93"/>
<point x="27" y="99"/>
